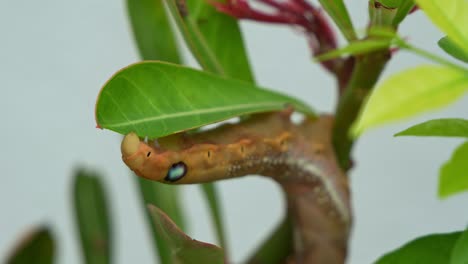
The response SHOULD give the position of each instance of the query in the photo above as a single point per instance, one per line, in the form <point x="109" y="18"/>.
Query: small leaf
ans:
<point x="202" y="27"/>
<point x="336" y="9"/>
<point x="451" y="17"/>
<point x="156" y="99"/>
<point x="182" y="248"/>
<point x="403" y="10"/>
<point x="408" y="93"/>
<point x="92" y="217"/>
<point x="37" y="247"/>
<point x="460" y="250"/>
<point x="152" y="30"/>
<point x="452" y="49"/>
<point x="454" y="173"/>
<point x="445" y="127"/>
<point x="166" y="197"/>
<point x="431" y="249"/>
<point x="356" y="48"/>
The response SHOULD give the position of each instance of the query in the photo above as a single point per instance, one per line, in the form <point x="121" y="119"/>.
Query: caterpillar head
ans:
<point x="151" y="163"/>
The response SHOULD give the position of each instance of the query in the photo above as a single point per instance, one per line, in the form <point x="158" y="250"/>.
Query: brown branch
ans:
<point x="299" y="157"/>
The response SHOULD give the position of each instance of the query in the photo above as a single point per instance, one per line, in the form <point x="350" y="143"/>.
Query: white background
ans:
<point x="56" y="54"/>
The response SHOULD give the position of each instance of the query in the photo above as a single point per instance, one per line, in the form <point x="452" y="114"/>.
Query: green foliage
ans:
<point x="454" y="173"/>
<point x="444" y="127"/>
<point x="431" y="249"/>
<point x="356" y="48"/>
<point x="182" y="248"/>
<point x="37" y="247"/>
<point x="451" y="17"/>
<point x="336" y="9"/>
<point x="412" y="92"/>
<point x="201" y="26"/>
<point x="452" y="49"/>
<point x="404" y="8"/>
<point x="157" y="99"/>
<point x="92" y="217"/>
<point x="460" y="250"/>
<point x="152" y="31"/>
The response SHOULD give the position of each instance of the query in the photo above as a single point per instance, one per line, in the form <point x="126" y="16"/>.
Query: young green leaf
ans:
<point x="37" y="247"/>
<point x="166" y="197"/>
<point x="356" y="48"/>
<point x="92" y="218"/>
<point x="336" y="9"/>
<point x="182" y="248"/>
<point x="152" y="30"/>
<point x="451" y="17"/>
<point x="431" y="249"/>
<point x="408" y="93"/>
<point x="453" y="176"/>
<point x="452" y="49"/>
<point x="460" y="250"/>
<point x="156" y="99"/>
<point x="201" y="26"/>
<point x="444" y="127"/>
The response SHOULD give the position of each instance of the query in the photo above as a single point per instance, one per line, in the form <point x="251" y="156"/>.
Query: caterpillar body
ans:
<point x="265" y="144"/>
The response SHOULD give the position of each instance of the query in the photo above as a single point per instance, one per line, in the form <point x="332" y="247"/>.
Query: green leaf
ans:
<point x="212" y="198"/>
<point x="356" y="48"/>
<point x="182" y="248"/>
<point x="444" y="127"/>
<point x="336" y="9"/>
<point x="36" y="247"/>
<point x="460" y="250"/>
<point x="166" y="197"/>
<point x="92" y="217"/>
<point x="277" y="247"/>
<point x="213" y="38"/>
<point x="403" y="10"/>
<point x="431" y="249"/>
<point x="453" y="176"/>
<point x="451" y="17"/>
<point x="152" y="30"/>
<point x="452" y="49"/>
<point x="156" y="99"/>
<point x="408" y="93"/>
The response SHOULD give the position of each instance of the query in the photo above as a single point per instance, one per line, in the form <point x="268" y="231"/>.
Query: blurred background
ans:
<point x="54" y="57"/>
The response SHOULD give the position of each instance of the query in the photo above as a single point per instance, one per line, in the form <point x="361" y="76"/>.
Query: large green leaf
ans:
<point x="451" y="17"/>
<point x="155" y="99"/>
<point x="182" y="248"/>
<point x="444" y="127"/>
<point x="460" y="250"/>
<point x="92" y="218"/>
<point x="454" y="173"/>
<point x="36" y="247"/>
<point x="152" y="31"/>
<point x="451" y="48"/>
<point x="408" y="93"/>
<point x="166" y="197"/>
<point x="336" y="9"/>
<point x="214" y="38"/>
<point x="432" y="249"/>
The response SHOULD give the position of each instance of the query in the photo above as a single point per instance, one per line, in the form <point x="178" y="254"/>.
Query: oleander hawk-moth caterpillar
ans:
<point x="267" y="144"/>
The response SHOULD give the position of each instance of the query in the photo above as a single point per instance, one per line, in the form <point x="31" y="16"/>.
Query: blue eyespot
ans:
<point x="176" y="172"/>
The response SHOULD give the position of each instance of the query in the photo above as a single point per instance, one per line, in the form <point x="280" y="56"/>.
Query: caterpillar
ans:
<point x="265" y="144"/>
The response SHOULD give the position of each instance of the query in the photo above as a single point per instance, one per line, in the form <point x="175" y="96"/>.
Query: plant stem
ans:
<point x="431" y="56"/>
<point x="366" y="72"/>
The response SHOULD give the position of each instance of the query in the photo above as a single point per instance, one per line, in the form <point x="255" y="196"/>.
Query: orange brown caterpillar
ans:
<point x="265" y="144"/>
